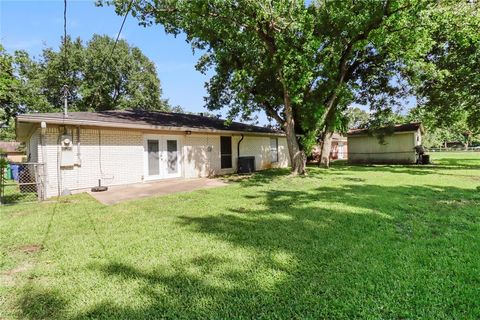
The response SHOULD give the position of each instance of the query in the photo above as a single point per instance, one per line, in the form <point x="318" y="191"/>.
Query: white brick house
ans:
<point x="127" y="147"/>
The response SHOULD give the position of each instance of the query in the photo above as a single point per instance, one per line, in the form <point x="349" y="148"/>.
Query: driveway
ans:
<point x="116" y="194"/>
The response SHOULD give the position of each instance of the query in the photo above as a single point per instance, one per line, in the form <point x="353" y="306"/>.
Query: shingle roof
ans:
<point x="147" y="118"/>
<point x="414" y="126"/>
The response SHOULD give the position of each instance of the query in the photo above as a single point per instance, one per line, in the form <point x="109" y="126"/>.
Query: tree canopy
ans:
<point x="303" y="62"/>
<point x="96" y="79"/>
<point x="451" y="98"/>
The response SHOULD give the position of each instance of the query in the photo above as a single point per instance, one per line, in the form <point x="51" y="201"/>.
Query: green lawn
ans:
<point x="366" y="242"/>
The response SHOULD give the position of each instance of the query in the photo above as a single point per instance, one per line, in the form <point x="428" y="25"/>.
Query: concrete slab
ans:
<point x="116" y="194"/>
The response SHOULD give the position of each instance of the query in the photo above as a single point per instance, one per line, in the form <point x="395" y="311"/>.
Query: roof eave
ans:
<point x="78" y="122"/>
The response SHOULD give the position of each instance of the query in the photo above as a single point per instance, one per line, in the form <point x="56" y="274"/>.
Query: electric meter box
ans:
<point x="67" y="156"/>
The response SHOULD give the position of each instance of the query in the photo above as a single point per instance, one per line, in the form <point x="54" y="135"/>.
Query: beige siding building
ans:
<point x="12" y="151"/>
<point x="397" y="146"/>
<point x="122" y="147"/>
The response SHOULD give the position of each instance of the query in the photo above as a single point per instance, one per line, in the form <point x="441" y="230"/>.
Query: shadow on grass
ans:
<point x="41" y="303"/>
<point x="356" y="250"/>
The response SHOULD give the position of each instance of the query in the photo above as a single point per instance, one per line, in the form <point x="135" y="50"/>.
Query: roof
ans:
<point x="408" y="127"/>
<point x="10" y="146"/>
<point x="338" y="137"/>
<point x="145" y="120"/>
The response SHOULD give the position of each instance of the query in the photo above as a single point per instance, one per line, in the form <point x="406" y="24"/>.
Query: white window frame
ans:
<point x="274" y="150"/>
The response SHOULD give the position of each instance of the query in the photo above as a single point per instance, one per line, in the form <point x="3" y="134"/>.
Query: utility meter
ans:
<point x="67" y="151"/>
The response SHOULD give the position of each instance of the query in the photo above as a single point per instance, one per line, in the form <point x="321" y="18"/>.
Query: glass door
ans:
<point x="162" y="157"/>
<point x="171" y="163"/>
<point x="153" y="158"/>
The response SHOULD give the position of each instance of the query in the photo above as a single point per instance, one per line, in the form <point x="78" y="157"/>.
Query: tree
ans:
<point x="450" y="96"/>
<point x="357" y="118"/>
<point x="8" y="94"/>
<point x="439" y="133"/>
<point x="301" y="62"/>
<point x="96" y="79"/>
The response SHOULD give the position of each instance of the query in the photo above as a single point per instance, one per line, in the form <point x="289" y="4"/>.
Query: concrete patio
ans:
<point x="116" y="194"/>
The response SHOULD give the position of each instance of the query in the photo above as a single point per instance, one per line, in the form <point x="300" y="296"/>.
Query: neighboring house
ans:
<point x="126" y="147"/>
<point x="397" y="145"/>
<point x="338" y="151"/>
<point x="12" y="151"/>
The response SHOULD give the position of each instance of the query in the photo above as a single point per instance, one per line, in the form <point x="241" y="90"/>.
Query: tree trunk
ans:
<point x="325" y="151"/>
<point x="298" y="158"/>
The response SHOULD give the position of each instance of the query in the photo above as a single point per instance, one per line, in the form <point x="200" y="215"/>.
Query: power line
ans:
<point x="65" y="63"/>
<point x="118" y="34"/>
<point x="65" y="32"/>
<point x="114" y="46"/>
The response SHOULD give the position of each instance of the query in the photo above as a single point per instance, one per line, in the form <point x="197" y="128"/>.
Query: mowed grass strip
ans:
<point x="351" y="241"/>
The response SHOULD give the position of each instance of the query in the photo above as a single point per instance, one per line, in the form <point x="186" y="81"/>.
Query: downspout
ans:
<point x="238" y="152"/>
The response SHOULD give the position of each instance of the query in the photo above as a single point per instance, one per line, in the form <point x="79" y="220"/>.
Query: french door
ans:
<point x="162" y="157"/>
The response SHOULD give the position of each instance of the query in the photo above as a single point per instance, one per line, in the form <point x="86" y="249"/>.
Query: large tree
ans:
<point x="451" y="97"/>
<point x="97" y="78"/>
<point x="301" y="62"/>
<point x="9" y="85"/>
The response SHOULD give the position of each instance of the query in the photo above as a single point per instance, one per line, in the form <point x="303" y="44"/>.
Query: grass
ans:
<point x="349" y="242"/>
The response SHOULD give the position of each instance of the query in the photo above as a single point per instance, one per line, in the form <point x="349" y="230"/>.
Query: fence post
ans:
<point x="3" y="178"/>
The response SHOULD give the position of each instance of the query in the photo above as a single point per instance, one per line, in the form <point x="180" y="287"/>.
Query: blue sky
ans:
<point x="34" y="25"/>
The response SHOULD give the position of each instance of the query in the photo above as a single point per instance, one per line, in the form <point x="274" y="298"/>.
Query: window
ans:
<point x="274" y="149"/>
<point x="225" y="152"/>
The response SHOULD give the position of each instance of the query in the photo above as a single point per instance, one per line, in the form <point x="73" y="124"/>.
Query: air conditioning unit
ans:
<point x="246" y="164"/>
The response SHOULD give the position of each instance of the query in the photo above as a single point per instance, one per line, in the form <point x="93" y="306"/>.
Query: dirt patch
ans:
<point x="29" y="248"/>
<point x="19" y="214"/>
<point x="8" y="277"/>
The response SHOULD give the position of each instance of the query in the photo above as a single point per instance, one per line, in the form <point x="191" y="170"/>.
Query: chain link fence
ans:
<point x="22" y="182"/>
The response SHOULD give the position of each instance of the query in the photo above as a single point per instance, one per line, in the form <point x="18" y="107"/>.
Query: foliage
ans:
<point x="302" y="62"/>
<point x="9" y="86"/>
<point x="439" y="133"/>
<point x="96" y="79"/>
<point x="357" y="118"/>
<point x="383" y="242"/>
<point x="451" y="95"/>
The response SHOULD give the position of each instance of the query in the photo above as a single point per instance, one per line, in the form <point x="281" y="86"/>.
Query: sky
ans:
<point x="34" y="25"/>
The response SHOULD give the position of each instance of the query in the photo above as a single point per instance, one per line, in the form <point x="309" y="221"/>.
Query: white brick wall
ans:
<point x="121" y="156"/>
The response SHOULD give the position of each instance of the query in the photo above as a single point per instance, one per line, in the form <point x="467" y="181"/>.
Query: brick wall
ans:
<point x="117" y="156"/>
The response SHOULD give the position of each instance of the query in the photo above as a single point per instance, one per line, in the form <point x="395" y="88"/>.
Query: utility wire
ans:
<point x="65" y="35"/>
<point x="65" y="62"/>
<point x="114" y="46"/>
<point x="118" y="34"/>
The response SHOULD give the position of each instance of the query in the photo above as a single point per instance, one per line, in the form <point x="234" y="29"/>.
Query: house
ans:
<point x="394" y="145"/>
<point x="12" y="151"/>
<point x="338" y="150"/>
<point x="128" y="147"/>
